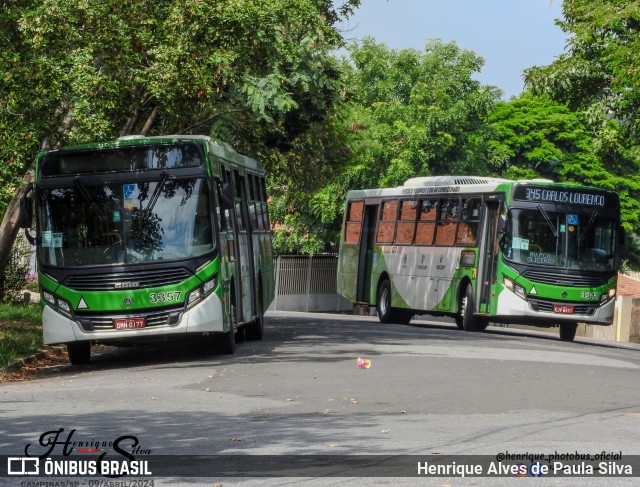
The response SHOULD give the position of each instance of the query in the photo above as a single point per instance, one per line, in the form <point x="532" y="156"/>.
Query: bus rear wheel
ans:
<point x="387" y="314"/>
<point x="568" y="331"/>
<point x="79" y="352"/>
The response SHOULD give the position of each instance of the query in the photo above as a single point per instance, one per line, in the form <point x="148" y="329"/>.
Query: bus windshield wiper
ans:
<point x="156" y="193"/>
<point x="592" y="220"/>
<point x="92" y="203"/>
<point x="548" y="220"/>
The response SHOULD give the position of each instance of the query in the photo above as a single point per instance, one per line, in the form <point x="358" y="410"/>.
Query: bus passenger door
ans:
<point x="244" y="256"/>
<point x="365" y="258"/>
<point x="488" y="255"/>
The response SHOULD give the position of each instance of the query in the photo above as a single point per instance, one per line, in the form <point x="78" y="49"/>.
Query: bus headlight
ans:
<point x="610" y="294"/>
<point x="58" y="304"/>
<point x="209" y="286"/>
<point x="193" y="297"/>
<point x="514" y="287"/>
<point x="64" y="306"/>
<point x="49" y="298"/>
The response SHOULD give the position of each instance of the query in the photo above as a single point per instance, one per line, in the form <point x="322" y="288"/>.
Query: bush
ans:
<point x="18" y="275"/>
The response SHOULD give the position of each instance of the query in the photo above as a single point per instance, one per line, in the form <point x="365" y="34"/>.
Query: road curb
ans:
<point x="21" y="362"/>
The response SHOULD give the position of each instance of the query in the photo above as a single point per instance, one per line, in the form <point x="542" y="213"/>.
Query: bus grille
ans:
<point x="154" y="319"/>
<point x="564" y="279"/>
<point x="547" y="306"/>
<point x="128" y="280"/>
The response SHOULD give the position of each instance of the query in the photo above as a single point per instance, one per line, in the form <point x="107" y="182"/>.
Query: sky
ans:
<point x="511" y="35"/>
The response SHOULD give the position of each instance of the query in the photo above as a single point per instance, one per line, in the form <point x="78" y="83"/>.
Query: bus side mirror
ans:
<point x="622" y="236"/>
<point x="226" y="194"/>
<point x="502" y="224"/>
<point x="26" y="204"/>
<point x="26" y="213"/>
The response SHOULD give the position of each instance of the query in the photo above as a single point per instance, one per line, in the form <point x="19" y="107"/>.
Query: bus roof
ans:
<point x="432" y="185"/>
<point x="218" y="148"/>
<point x="453" y="181"/>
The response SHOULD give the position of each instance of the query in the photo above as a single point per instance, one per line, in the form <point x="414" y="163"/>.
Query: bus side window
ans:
<point x="354" y="222"/>
<point x="407" y="224"/>
<point x="426" y="222"/>
<point x="223" y="206"/>
<point x="469" y="218"/>
<point x="446" y="227"/>
<point x="387" y="224"/>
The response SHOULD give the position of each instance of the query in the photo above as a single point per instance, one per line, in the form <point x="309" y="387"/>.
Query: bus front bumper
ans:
<point x="513" y="309"/>
<point x="205" y="317"/>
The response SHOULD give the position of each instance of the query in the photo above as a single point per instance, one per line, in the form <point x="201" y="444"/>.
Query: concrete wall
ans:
<point x="626" y="323"/>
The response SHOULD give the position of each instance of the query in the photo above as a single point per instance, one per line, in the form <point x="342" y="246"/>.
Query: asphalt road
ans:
<point x="430" y="391"/>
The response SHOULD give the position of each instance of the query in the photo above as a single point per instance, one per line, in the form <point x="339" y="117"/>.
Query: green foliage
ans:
<point x="405" y="113"/>
<point x="537" y="137"/>
<point x="415" y="113"/>
<point x="20" y="332"/>
<point x="16" y="276"/>
<point x="600" y="75"/>
<point x="254" y="73"/>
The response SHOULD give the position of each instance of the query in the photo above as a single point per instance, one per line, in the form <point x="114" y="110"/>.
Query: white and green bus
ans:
<point x="148" y="238"/>
<point x="483" y="250"/>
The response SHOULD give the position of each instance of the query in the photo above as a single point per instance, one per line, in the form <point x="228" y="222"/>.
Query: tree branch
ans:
<point x="207" y="120"/>
<point x="149" y="122"/>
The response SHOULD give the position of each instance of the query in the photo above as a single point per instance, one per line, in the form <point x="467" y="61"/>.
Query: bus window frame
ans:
<point x="406" y="222"/>
<point x="353" y="223"/>
<point x="381" y="221"/>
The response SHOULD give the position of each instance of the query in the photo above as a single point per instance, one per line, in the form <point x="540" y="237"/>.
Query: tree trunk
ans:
<point x="9" y="228"/>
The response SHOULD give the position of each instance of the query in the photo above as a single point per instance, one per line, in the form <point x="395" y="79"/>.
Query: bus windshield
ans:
<point x="578" y="239"/>
<point x="88" y="225"/>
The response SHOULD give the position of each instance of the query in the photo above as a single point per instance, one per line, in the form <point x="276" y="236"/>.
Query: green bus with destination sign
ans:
<point x="149" y="238"/>
<point x="483" y="250"/>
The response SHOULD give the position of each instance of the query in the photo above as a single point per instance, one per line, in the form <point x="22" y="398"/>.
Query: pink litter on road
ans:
<point x="363" y="363"/>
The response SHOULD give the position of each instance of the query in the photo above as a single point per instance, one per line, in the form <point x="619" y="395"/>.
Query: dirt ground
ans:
<point x="37" y="367"/>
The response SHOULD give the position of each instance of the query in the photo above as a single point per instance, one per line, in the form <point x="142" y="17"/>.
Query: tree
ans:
<point x="416" y="113"/>
<point x="600" y="75"/>
<point x="538" y="137"/>
<point x="405" y="113"/>
<point x="253" y="73"/>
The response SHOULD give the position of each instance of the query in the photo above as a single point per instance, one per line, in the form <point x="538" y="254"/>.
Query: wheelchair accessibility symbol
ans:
<point x="130" y="191"/>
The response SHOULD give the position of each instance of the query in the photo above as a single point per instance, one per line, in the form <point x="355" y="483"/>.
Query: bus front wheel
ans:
<point x="79" y="352"/>
<point x="568" y="331"/>
<point x="227" y="342"/>
<point x="465" y="319"/>
<point x="255" y="330"/>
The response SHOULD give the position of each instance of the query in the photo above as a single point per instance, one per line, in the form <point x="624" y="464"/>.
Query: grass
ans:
<point x="20" y="332"/>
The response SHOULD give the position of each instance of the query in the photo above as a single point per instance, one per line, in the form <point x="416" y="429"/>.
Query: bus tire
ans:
<point x="255" y="329"/>
<point x="404" y="316"/>
<point x="465" y="312"/>
<point x="386" y="313"/>
<point x="227" y="342"/>
<point x="383" y="302"/>
<point x="568" y="331"/>
<point x="79" y="352"/>
<point x="482" y="324"/>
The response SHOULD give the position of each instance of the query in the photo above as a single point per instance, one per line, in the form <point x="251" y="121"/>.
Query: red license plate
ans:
<point x="562" y="309"/>
<point x="129" y="323"/>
